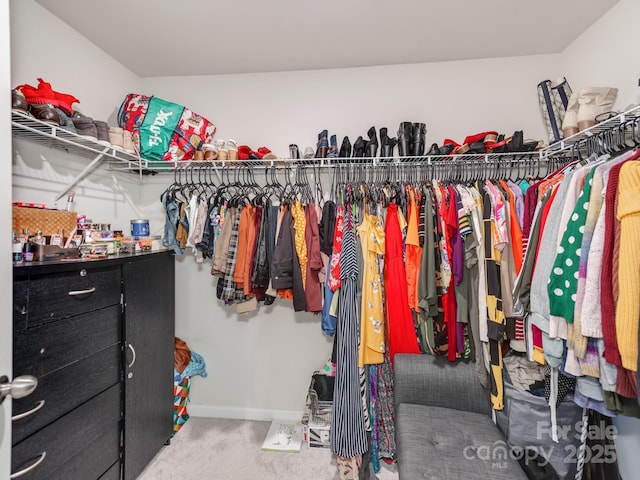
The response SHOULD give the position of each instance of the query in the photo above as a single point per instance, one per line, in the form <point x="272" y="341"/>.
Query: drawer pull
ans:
<point x="30" y="467"/>
<point x="133" y="353"/>
<point x="73" y="293"/>
<point x="22" y="415"/>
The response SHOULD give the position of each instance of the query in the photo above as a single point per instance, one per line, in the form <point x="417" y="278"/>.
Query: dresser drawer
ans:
<point x="50" y="297"/>
<point x="46" y="348"/>
<point x="63" y="390"/>
<point x="81" y="445"/>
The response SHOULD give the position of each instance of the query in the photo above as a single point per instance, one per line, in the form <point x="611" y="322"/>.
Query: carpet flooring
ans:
<point x="225" y="449"/>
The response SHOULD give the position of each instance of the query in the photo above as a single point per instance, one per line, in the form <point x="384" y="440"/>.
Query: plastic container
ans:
<point x="140" y="228"/>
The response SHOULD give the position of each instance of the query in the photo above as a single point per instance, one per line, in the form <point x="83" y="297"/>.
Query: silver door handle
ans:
<point x="73" y="293"/>
<point x="20" y="387"/>
<point x="22" y="415"/>
<point x="133" y="353"/>
<point x="30" y="467"/>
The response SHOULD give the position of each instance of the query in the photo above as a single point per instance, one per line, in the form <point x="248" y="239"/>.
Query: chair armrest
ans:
<point x="434" y="381"/>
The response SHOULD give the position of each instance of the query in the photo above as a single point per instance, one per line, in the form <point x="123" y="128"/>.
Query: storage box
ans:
<point x="318" y="435"/>
<point x="49" y="221"/>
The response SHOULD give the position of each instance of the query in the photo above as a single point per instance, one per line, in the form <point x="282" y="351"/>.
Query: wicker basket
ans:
<point x="49" y="221"/>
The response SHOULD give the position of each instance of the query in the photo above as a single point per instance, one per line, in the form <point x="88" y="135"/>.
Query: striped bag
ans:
<point x="553" y="100"/>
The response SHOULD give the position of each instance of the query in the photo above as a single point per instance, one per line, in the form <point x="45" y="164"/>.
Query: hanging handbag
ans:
<point x="165" y="130"/>
<point x="553" y="100"/>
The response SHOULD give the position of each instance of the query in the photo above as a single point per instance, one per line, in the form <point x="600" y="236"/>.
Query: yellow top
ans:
<point x="628" y="307"/>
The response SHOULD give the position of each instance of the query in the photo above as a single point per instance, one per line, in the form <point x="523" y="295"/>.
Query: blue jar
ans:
<point x="140" y="228"/>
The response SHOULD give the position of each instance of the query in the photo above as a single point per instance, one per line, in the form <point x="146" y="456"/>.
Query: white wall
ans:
<point x="607" y="54"/>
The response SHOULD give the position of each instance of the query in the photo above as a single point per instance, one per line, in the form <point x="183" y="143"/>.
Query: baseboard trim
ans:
<point x="242" y="413"/>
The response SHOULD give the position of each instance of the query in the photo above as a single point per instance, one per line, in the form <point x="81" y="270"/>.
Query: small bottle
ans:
<point x="16" y="247"/>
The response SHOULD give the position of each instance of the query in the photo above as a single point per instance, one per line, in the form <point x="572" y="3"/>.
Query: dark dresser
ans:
<point x="99" y="337"/>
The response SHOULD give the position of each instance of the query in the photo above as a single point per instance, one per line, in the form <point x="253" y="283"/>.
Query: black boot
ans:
<point x="404" y="139"/>
<point x="371" y="147"/>
<point x="345" y="148"/>
<point x="419" y="131"/>
<point x="358" y="147"/>
<point x="386" y="144"/>
<point x="333" y="147"/>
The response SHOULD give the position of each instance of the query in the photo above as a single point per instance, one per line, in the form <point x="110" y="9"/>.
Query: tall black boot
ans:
<point x="371" y="148"/>
<point x="404" y="139"/>
<point x="419" y="132"/>
<point x="345" y="148"/>
<point x="358" y="147"/>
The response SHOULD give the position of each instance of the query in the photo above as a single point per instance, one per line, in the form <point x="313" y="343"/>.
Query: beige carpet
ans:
<point x="223" y="449"/>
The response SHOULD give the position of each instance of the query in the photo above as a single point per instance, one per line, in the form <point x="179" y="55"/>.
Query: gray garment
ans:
<point x="539" y="298"/>
<point x="427" y="294"/>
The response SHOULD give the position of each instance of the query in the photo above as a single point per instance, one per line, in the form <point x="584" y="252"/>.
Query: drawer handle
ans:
<point x="22" y="415"/>
<point x="29" y="468"/>
<point x="133" y="352"/>
<point x="73" y="293"/>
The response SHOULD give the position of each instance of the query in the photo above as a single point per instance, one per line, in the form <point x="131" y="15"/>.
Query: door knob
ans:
<point x="20" y="387"/>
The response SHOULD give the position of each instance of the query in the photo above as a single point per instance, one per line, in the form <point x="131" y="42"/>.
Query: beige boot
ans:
<point x="594" y="101"/>
<point x="570" y="121"/>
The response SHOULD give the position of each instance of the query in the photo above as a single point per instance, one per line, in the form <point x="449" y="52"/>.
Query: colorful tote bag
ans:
<point x="164" y="130"/>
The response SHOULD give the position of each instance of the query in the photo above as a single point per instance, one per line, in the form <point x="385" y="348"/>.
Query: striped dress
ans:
<point x="348" y="436"/>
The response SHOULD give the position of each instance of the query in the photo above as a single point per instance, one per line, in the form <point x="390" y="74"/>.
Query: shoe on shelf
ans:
<point x="333" y="147"/>
<point x="223" y="152"/>
<point x="371" y="146"/>
<point x="434" y="150"/>
<point x="418" y="134"/>
<point x="45" y="113"/>
<point x="102" y="133"/>
<point x="232" y="149"/>
<point x="294" y="153"/>
<point x="359" y="147"/>
<point x="18" y="102"/>
<point x="387" y="144"/>
<point x="308" y="153"/>
<point x="116" y="138"/>
<point x="210" y="151"/>
<point x="86" y="127"/>
<point x="345" y="148"/>
<point x="405" y="132"/>
<point x="323" y="144"/>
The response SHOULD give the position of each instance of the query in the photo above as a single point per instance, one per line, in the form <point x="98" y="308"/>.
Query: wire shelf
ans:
<point x="580" y="141"/>
<point x="53" y="136"/>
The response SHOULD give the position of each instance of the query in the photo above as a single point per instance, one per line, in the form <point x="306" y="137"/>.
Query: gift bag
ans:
<point x="164" y="130"/>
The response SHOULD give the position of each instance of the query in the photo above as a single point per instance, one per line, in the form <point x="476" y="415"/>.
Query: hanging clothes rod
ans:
<point x="444" y="161"/>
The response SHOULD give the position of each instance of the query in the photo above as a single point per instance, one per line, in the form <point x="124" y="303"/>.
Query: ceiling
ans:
<point x="208" y="37"/>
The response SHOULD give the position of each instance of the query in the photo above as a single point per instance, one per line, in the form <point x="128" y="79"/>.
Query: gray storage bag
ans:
<point x="525" y="422"/>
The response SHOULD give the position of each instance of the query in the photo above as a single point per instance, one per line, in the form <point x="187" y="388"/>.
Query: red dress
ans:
<point x="401" y="332"/>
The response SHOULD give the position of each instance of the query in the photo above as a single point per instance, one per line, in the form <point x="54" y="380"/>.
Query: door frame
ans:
<point x="6" y="275"/>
